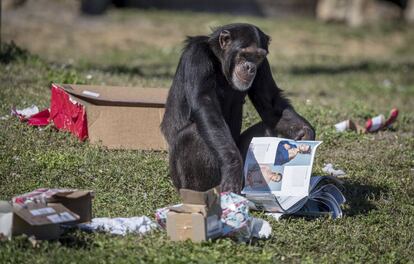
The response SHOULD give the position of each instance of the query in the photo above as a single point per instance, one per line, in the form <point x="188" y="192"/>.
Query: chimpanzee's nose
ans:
<point x="250" y="68"/>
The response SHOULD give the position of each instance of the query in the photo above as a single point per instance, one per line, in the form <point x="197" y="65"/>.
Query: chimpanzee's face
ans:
<point x="243" y="54"/>
<point x="245" y="67"/>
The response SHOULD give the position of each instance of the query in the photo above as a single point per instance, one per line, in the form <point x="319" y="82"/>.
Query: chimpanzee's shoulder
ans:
<point x="197" y="45"/>
<point x="196" y="41"/>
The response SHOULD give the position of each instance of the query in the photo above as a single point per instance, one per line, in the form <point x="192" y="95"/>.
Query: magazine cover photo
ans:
<point x="280" y="166"/>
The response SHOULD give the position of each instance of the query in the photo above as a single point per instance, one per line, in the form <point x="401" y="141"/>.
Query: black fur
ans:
<point x="203" y="117"/>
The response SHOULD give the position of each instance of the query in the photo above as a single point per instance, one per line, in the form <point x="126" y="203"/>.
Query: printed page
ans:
<point x="279" y="166"/>
<point x="265" y="201"/>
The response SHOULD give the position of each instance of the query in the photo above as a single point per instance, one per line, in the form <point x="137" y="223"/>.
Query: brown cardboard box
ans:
<point x="79" y="202"/>
<point x="198" y="219"/>
<point x="34" y="219"/>
<point x="122" y="117"/>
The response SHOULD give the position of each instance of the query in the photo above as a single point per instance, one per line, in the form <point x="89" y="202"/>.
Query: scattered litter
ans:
<point x="34" y="242"/>
<point x="330" y="169"/>
<point x="39" y="119"/>
<point x="276" y="216"/>
<point x="260" y="228"/>
<point x="5" y="117"/>
<point x="40" y="195"/>
<point x="120" y="226"/>
<point x="32" y="115"/>
<point x="235" y="217"/>
<point x="42" y="212"/>
<point x="379" y="122"/>
<point x="25" y="113"/>
<point x="372" y="125"/>
<point x="345" y="125"/>
<point x="236" y="220"/>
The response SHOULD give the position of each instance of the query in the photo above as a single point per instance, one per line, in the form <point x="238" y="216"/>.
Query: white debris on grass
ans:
<point x="5" y="117"/>
<point x="330" y="169"/>
<point x="260" y="228"/>
<point x="120" y="226"/>
<point x="26" y="112"/>
<point x="276" y="216"/>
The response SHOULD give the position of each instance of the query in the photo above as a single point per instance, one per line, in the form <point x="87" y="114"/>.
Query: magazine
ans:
<point x="277" y="174"/>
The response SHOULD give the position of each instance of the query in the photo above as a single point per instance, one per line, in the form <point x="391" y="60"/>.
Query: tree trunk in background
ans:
<point x="357" y="12"/>
<point x="331" y="10"/>
<point x="355" y="15"/>
<point x="409" y="12"/>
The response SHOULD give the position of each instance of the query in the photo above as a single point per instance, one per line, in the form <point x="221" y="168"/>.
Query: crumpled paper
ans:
<point x="32" y="115"/>
<point x="330" y="169"/>
<point x="120" y="226"/>
<point x="26" y="112"/>
<point x="237" y="222"/>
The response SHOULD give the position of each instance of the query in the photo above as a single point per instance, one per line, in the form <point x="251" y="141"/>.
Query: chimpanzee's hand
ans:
<point x="292" y="125"/>
<point x="232" y="172"/>
<point x="305" y="133"/>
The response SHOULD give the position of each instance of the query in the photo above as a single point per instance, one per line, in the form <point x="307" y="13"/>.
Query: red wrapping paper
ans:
<point x="67" y="114"/>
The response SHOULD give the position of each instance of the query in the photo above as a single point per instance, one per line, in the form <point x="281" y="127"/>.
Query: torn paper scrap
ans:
<point x="276" y="216"/>
<point x="26" y="112"/>
<point x="120" y="226"/>
<point x="329" y="168"/>
<point x="260" y="228"/>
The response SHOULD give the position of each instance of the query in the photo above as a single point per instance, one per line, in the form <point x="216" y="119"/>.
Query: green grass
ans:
<point x="330" y="72"/>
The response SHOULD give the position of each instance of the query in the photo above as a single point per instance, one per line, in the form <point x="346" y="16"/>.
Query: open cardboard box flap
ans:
<point x="73" y="194"/>
<point x="190" y="208"/>
<point x="118" y="96"/>
<point x="207" y="198"/>
<point x="198" y="219"/>
<point x="78" y="201"/>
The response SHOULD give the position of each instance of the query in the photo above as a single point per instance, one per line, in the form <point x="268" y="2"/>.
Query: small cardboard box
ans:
<point x="79" y="202"/>
<point x="116" y="117"/>
<point x="198" y="219"/>
<point x="34" y="219"/>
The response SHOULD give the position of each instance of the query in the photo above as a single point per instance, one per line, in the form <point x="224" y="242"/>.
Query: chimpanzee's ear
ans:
<point x="268" y="40"/>
<point x="224" y="39"/>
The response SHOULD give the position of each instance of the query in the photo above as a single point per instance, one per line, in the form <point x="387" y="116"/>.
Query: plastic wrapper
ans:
<point x="39" y="195"/>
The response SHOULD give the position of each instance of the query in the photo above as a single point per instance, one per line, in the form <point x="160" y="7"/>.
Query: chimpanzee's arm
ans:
<point x="200" y="90"/>
<point x="275" y="110"/>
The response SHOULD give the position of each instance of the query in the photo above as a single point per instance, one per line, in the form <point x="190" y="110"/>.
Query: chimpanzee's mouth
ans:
<point x="245" y="80"/>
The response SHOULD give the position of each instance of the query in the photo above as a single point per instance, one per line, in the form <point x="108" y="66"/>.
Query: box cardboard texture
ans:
<point x="42" y="219"/>
<point x="198" y="219"/>
<point x="79" y="202"/>
<point x="35" y="219"/>
<point x="121" y="117"/>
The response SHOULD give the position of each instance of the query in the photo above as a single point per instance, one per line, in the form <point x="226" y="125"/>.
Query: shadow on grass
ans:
<point x="357" y="197"/>
<point x="77" y="239"/>
<point x="364" y="66"/>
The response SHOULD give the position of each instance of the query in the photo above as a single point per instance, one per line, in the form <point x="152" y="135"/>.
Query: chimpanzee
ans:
<point x="203" y="115"/>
